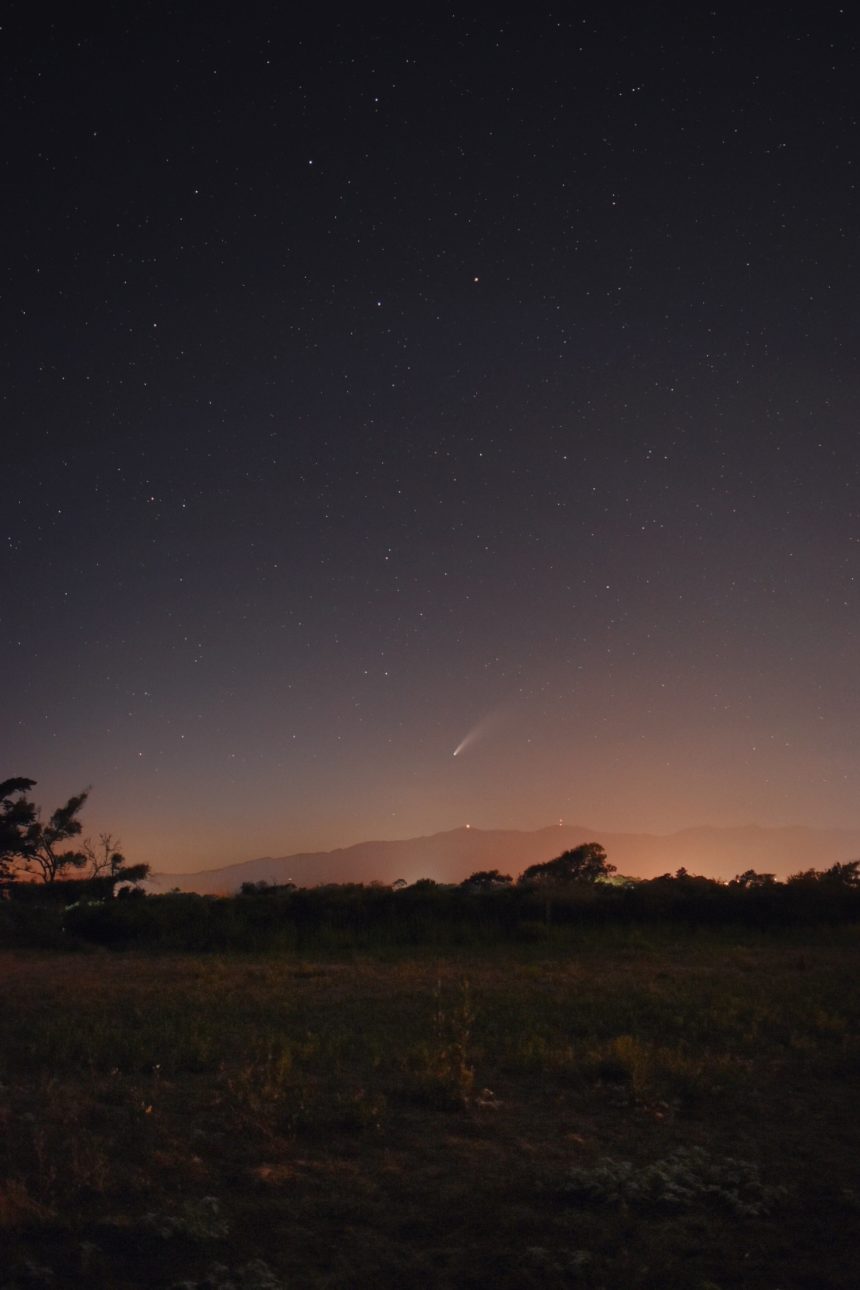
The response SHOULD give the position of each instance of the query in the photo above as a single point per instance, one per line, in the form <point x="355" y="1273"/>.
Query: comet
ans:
<point x="470" y="738"/>
<point x="482" y="728"/>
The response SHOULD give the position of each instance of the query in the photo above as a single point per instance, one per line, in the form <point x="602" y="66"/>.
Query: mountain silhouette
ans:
<point x="451" y="856"/>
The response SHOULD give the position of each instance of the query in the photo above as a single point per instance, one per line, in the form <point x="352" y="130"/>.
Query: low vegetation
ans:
<point x="638" y="1107"/>
<point x="376" y="919"/>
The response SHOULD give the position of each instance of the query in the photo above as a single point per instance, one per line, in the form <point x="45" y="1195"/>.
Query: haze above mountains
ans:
<point x="451" y="856"/>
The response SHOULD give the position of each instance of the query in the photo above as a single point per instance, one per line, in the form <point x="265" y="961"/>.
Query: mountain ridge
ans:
<point x="451" y="855"/>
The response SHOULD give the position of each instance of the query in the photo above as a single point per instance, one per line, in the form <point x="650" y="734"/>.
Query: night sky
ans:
<point x="375" y="385"/>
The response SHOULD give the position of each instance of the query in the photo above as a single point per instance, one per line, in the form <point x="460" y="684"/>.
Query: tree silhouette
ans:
<point x="486" y="880"/>
<point x="838" y="876"/>
<point x="749" y="880"/>
<point x="17" y="816"/>
<point x="32" y="849"/>
<point x="585" y="863"/>
<point x="105" y="860"/>
<point x="41" y="856"/>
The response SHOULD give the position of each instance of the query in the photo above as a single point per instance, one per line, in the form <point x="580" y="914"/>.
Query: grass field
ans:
<point x="615" y="1109"/>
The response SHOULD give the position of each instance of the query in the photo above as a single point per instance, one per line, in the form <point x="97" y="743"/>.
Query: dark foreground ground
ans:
<point x="630" y="1110"/>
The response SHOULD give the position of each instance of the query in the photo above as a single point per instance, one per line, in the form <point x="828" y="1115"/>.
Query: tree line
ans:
<point x="58" y="887"/>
